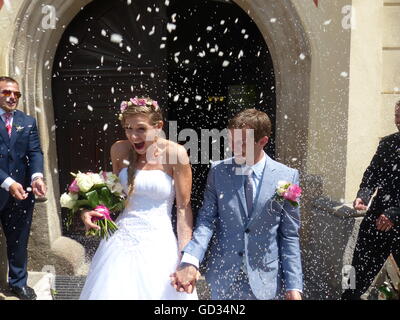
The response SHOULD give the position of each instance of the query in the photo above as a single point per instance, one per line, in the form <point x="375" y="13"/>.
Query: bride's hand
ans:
<point x="87" y="216"/>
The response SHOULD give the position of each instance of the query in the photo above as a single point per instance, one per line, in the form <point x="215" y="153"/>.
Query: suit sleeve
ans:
<point x="205" y="221"/>
<point x="3" y="176"/>
<point x="34" y="153"/>
<point x="371" y="181"/>
<point x="289" y="242"/>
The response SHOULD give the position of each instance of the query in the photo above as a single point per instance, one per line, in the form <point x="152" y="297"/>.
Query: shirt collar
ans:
<point x="258" y="168"/>
<point x="2" y="111"/>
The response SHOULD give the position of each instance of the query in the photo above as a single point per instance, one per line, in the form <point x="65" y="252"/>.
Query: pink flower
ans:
<point x="74" y="187"/>
<point x="134" y="101"/>
<point x="155" y="105"/>
<point x="124" y="106"/>
<point x="292" y="193"/>
<point x="141" y="102"/>
<point x="104" y="211"/>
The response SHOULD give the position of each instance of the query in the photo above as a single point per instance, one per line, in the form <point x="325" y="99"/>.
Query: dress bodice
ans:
<point x="153" y="195"/>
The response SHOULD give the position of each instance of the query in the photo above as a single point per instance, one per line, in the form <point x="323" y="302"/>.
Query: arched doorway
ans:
<point x="203" y="60"/>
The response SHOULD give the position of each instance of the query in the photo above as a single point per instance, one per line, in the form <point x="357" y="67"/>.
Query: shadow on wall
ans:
<point x="328" y="236"/>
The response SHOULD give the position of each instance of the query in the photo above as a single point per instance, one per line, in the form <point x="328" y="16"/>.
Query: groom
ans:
<point x="21" y="167"/>
<point x="256" y="253"/>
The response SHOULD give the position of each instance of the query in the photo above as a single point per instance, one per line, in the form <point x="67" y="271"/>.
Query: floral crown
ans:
<point x="140" y="102"/>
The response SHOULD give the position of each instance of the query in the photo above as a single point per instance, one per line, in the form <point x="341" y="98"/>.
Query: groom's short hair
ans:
<point x="254" y="119"/>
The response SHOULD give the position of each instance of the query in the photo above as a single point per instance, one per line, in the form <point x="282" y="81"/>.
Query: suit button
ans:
<point x="240" y="253"/>
<point x="247" y="231"/>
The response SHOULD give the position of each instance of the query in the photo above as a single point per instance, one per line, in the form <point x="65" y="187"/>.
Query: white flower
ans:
<point x="117" y="189"/>
<point x="68" y="200"/>
<point x="96" y="178"/>
<point x="282" y="187"/>
<point x="84" y="181"/>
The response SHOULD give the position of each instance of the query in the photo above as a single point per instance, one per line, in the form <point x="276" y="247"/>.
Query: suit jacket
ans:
<point x="21" y="155"/>
<point x="267" y="242"/>
<point x="383" y="176"/>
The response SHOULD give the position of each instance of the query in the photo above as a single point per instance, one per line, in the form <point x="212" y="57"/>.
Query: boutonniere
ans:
<point x="288" y="191"/>
<point x="19" y="128"/>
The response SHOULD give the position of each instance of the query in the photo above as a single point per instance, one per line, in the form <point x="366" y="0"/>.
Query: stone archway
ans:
<point x="31" y="55"/>
<point x="288" y="43"/>
<point x="30" y="61"/>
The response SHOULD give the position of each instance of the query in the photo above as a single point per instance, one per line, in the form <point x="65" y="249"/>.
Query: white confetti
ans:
<point x="273" y="20"/>
<point x="116" y="38"/>
<point x="176" y="98"/>
<point x="90" y="108"/>
<point x="171" y="27"/>
<point x="126" y="162"/>
<point x="105" y="127"/>
<point x="327" y="22"/>
<point x="344" y="74"/>
<point x="73" y="40"/>
<point x="153" y="30"/>
<point x="209" y="28"/>
<point x="302" y="56"/>
<point x="225" y="63"/>
<point x="103" y="33"/>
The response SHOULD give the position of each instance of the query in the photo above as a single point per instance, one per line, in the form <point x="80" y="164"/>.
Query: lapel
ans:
<point x="267" y="189"/>
<point x="3" y="133"/>
<point x="238" y="183"/>
<point x="18" y="121"/>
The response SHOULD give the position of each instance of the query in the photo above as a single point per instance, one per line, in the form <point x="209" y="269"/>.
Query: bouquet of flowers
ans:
<point x="101" y="192"/>
<point x="288" y="191"/>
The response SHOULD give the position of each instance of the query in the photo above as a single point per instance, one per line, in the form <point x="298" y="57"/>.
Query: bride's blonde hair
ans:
<point x="135" y="106"/>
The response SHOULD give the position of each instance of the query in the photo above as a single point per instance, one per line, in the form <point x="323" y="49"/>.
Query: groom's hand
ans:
<point x="87" y="216"/>
<point x="185" y="278"/>
<point x="293" y="295"/>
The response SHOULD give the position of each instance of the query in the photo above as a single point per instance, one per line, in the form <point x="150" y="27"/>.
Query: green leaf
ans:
<point x="93" y="198"/>
<point x="105" y="197"/>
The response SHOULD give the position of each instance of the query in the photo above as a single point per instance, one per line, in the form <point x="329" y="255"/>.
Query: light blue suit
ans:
<point x="267" y="242"/>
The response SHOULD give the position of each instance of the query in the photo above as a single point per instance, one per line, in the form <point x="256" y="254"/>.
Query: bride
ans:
<point x="137" y="260"/>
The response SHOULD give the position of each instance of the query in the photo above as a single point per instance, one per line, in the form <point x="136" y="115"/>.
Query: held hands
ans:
<point x="185" y="277"/>
<point x="293" y="295"/>
<point x="358" y="204"/>
<point x="87" y="216"/>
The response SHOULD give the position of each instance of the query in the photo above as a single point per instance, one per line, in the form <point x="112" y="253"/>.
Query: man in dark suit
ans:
<point x="379" y="233"/>
<point x="21" y="178"/>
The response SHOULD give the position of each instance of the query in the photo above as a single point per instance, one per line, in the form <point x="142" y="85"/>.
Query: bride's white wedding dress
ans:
<point x="137" y="260"/>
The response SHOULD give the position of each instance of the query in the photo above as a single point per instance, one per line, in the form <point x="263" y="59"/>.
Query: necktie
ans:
<point x="249" y="191"/>
<point x="7" y="120"/>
